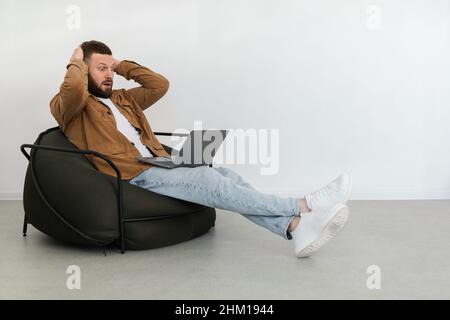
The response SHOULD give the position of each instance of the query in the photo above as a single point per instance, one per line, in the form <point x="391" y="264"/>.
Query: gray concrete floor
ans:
<point x="408" y="240"/>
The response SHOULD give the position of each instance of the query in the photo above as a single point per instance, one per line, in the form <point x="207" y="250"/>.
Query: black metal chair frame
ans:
<point x="121" y="219"/>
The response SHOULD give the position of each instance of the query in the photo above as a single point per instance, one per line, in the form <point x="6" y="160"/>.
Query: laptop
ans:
<point x="198" y="149"/>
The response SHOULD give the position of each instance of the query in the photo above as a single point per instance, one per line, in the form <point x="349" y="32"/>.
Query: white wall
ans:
<point x="352" y="85"/>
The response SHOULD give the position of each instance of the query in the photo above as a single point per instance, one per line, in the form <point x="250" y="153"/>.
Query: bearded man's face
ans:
<point x="100" y="75"/>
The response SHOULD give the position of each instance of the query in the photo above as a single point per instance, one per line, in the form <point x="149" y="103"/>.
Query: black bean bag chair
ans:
<point x="66" y="198"/>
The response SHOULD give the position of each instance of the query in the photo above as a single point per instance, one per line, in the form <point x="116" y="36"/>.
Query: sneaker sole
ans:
<point x="329" y="231"/>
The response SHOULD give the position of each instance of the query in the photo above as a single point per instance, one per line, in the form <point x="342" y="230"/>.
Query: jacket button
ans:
<point x="132" y="143"/>
<point x="109" y="112"/>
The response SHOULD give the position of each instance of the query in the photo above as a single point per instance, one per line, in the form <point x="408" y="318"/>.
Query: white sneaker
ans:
<point x="337" y="191"/>
<point x="317" y="228"/>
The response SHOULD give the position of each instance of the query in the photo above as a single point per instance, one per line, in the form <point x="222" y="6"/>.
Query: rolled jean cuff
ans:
<point x="287" y="234"/>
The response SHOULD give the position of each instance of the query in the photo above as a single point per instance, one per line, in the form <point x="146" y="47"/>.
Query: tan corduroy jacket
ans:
<point x="90" y="125"/>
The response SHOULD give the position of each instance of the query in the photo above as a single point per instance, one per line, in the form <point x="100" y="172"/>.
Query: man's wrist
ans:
<point x="118" y="68"/>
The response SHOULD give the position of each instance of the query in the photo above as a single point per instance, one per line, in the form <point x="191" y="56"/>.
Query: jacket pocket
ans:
<point x="101" y="114"/>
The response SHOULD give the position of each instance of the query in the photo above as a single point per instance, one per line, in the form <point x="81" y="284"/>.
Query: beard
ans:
<point x="97" y="91"/>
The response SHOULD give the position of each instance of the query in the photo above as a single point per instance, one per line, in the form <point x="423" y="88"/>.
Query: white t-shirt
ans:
<point x="125" y="127"/>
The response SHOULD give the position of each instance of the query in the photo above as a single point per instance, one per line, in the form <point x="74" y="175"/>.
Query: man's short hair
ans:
<point x="93" y="46"/>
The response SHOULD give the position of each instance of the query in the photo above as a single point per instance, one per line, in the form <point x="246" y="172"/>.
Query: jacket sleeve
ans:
<point x="153" y="85"/>
<point x="73" y="93"/>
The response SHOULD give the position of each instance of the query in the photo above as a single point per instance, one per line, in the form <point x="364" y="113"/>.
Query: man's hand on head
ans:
<point x="77" y="54"/>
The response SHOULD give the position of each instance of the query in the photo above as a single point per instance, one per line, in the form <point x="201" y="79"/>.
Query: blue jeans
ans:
<point x="221" y="188"/>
